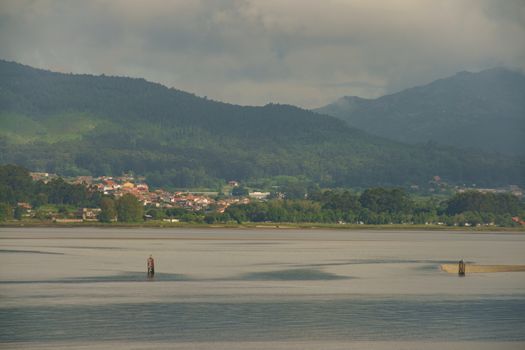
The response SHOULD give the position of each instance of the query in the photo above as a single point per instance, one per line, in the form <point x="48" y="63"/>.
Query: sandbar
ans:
<point x="474" y="268"/>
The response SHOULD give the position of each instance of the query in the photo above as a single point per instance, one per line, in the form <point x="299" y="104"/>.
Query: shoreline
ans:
<point x="265" y="226"/>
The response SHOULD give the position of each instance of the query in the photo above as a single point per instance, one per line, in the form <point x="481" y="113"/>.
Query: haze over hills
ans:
<point x="484" y="110"/>
<point x="84" y="124"/>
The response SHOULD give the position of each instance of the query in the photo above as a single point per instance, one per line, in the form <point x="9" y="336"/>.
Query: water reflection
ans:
<point x="366" y="319"/>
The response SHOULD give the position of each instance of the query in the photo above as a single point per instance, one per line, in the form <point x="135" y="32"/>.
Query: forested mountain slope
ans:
<point x="484" y="110"/>
<point x="84" y="124"/>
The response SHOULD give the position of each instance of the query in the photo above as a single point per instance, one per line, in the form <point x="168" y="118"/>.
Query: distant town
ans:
<point x="204" y="202"/>
<point x="118" y="186"/>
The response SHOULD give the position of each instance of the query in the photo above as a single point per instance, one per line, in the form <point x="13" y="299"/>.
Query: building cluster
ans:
<point x="512" y="189"/>
<point x="44" y="177"/>
<point x="136" y="186"/>
<point x="164" y="199"/>
<point x="127" y="183"/>
<point x="81" y="215"/>
<point x="159" y="198"/>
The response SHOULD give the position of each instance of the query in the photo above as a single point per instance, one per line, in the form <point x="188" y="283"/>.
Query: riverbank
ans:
<point x="257" y="225"/>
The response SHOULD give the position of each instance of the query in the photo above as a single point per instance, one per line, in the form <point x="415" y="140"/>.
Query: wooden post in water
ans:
<point x="461" y="268"/>
<point x="151" y="267"/>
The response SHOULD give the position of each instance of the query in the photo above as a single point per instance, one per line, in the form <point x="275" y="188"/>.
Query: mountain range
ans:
<point x="75" y="124"/>
<point x="484" y="111"/>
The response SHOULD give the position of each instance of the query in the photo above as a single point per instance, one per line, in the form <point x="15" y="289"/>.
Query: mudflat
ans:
<point x="87" y="288"/>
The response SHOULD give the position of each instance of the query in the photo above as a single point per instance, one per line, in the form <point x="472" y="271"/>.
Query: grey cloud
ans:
<point x="257" y="51"/>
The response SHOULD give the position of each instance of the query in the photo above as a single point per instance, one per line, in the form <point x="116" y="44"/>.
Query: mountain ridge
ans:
<point x="86" y="124"/>
<point x="483" y="110"/>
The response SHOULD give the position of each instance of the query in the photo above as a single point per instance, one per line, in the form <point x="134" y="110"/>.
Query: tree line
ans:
<point x="377" y="206"/>
<point x="17" y="186"/>
<point x="372" y="206"/>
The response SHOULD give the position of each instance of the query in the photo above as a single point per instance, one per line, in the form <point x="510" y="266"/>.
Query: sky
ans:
<point x="253" y="52"/>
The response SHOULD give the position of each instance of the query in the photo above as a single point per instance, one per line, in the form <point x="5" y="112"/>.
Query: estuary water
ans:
<point x="86" y="288"/>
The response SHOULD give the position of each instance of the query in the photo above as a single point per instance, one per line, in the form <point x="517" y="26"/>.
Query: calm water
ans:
<point x="259" y="289"/>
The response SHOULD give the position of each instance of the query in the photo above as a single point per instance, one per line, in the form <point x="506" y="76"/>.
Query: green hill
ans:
<point x="84" y="124"/>
<point x="484" y="110"/>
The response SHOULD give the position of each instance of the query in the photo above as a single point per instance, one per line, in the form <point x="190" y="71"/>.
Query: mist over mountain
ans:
<point x="484" y="110"/>
<point x="85" y="124"/>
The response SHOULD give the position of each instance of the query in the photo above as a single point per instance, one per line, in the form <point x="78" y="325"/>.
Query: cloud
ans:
<point x="257" y="51"/>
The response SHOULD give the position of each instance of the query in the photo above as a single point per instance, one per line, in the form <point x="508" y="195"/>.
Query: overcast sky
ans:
<point x="301" y="52"/>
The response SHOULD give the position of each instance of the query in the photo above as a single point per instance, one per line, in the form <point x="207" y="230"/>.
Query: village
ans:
<point x="118" y="186"/>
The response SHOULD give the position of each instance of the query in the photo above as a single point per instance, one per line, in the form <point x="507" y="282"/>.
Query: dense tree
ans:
<point x="213" y="218"/>
<point x="129" y="209"/>
<point x="337" y="200"/>
<point x="156" y="213"/>
<point x="17" y="214"/>
<point x="176" y="212"/>
<point x="294" y="190"/>
<point x="239" y="191"/>
<point x="60" y="192"/>
<point x="108" y="208"/>
<point x="475" y="201"/>
<point x="376" y="206"/>
<point x="5" y="211"/>
<point x="386" y="200"/>
<point x="15" y="184"/>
